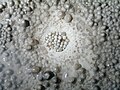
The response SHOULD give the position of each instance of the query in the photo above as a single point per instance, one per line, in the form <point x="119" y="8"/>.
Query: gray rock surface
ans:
<point x="89" y="60"/>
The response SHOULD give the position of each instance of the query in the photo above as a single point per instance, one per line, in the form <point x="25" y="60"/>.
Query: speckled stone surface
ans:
<point x="82" y="55"/>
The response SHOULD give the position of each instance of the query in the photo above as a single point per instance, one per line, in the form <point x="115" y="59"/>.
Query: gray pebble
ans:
<point x="35" y="69"/>
<point x="29" y="47"/>
<point x="25" y="23"/>
<point x="77" y="66"/>
<point x="68" y="18"/>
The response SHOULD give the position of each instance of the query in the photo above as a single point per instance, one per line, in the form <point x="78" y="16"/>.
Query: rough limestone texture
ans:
<point x="59" y="45"/>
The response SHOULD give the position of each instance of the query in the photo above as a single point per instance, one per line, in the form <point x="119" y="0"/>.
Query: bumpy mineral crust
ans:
<point x="59" y="45"/>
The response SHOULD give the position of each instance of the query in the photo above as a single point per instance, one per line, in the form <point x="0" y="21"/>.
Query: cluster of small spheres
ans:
<point x="57" y="41"/>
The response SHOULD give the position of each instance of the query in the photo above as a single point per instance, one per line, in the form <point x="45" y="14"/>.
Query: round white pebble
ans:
<point x="1" y="6"/>
<point x="68" y="18"/>
<point x="64" y="37"/>
<point x="61" y="14"/>
<point x="59" y="37"/>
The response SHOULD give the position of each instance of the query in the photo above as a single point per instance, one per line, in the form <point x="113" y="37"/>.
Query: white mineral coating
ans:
<point x="99" y="17"/>
<point x="56" y="40"/>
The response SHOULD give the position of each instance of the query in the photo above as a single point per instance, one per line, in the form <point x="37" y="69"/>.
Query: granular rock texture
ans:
<point x="57" y="41"/>
<point x="59" y="45"/>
